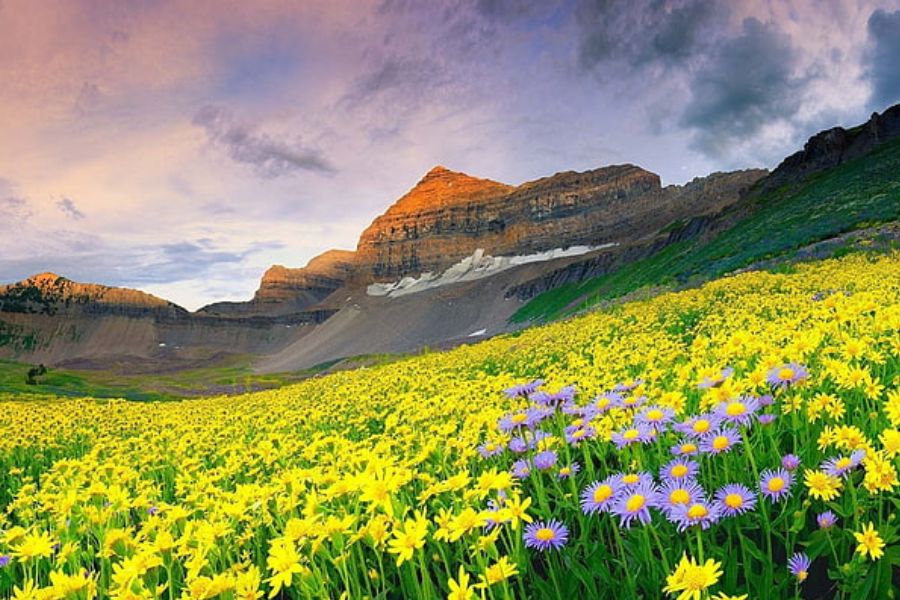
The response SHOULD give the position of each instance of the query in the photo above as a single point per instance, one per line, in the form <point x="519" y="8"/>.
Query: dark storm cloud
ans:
<point x="67" y="206"/>
<point x="750" y="81"/>
<point x="882" y="58"/>
<point x="642" y="33"/>
<point x="270" y="157"/>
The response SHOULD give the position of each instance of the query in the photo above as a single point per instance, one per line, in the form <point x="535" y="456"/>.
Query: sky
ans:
<point x="182" y="147"/>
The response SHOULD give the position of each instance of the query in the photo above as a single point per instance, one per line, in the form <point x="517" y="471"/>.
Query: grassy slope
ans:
<point x="232" y="378"/>
<point x="853" y="195"/>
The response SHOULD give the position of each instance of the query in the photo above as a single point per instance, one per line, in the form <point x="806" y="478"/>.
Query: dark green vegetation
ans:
<point x="855" y="195"/>
<point x="222" y="379"/>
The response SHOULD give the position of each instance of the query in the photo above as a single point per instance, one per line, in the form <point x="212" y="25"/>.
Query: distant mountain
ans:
<point x="474" y="256"/>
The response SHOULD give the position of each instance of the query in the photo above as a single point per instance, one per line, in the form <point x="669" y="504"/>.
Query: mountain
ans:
<point x="283" y="291"/>
<point x="459" y="257"/>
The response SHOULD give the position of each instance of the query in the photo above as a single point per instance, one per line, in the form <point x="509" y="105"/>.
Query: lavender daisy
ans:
<point x="720" y="441"/>
<point x="674" y="494"/>
<point x="735" y="499"/>
<point x="766" y="400"/>
<point x="489" y="449"/>
<point x="635" y="503"/>
<point x="716" y="380"/>
<point x="627" y="387"/>
<point x="775" y="485"/>
<point x="4" y="560"/>
<point x="521" y="469"/>
<point x="546" y="535"/>
<point x="639" y="434"/>
<point x="826" y="520"/>
<point x="679" y="469"/>
<point x="655" y="416"/>
<point x="791" y="462"/>
<point x="545" y="460"/>
<point x="787" y="375"/>
<point x="523" y="389"/>
<point x="699" y="425"/>
<point x="766" y="418"/>
<point x="698" y="513"/>
<point x="600" y="495"/>
<point x="579" y="434"/>
<point x="513" y="421"/>
<point x="798" y="565"/>
<point x="518" y="445"/>
<point x="739" y="411"/>
<point x="567" y="471"/>
<point x="631" y="480"/>
<point x="685" y="448"/>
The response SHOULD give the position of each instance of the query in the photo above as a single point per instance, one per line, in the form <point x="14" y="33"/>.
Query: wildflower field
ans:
<point x="739" y="440"/>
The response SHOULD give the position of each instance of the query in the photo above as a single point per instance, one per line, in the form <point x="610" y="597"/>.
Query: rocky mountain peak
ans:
<point x="441" y="188"/>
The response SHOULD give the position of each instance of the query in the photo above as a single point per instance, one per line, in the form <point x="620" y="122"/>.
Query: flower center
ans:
<point x="631" y="434"/>
<point x="720" y="442"/>
<point x="786" y="374"/>
<point x="655" y="414"/>
<point x="843" y="463"/>
<point x="679" y="496"/>
<point x="631" y="479"/>
<point x="519" y="418"/>
<point x="635" y="503"/>
<point x="688" y="448"/>
<point x="776" y="484"/>
<point x="734" y="501"/>
<point x="679" y="471"/>
<point x="602" y="493"/>
<point x="697" y="511"/>
<point x="701" y="426"/>
<point x="735" y="409"/>
<point x="544" y="534"/>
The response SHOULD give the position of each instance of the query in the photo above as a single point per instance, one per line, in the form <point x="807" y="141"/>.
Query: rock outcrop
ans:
<point x="448" y="215"/>
<point x="834" y="146"/>
<point x="284" y="291"/>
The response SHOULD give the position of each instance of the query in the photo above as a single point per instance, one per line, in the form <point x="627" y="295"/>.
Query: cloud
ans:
<point x="270" y="157"/>
<point x="882" y="58"/>
<point x="646" y="33"/>
<point x="67" y="206"/>
<point x="14" y="209"/>
<point x="749" y="83"/>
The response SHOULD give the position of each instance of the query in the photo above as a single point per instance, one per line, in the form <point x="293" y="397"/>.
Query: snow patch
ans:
<point x="477" y="266"/>
<point x="477" y="333"/>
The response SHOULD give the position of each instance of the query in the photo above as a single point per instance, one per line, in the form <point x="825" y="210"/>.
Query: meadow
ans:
<point x="737" y="440"/>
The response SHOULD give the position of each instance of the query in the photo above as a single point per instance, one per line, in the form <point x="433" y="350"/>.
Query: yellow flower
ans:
<point x="822" y="486"/>
<point x="283" y="562"/>
<point x="690" y="579"/>
<point x="459" y="588"/>
<point x="870" y="543"/>
<point x="499" y="571"/>
<point x="34" y="545"/>
<point x="408" y="539"/>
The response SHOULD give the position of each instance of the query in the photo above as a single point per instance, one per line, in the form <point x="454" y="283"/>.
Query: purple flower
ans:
<point x="489" y="449"/>
<point x="543" y="536"/>
<point x="638" y="434"/>
<point x="523" y="389"/>
<point x="775" y="485"/>
<point x="604" y="402"/>
<point x="635" y="503"/>
<point x="787" y="375"/>
<point x="798" y="565"/>
<point x="153" y="510"/>
<point x="698" y="426"/>
<point x="718" y="442"/>
<point x="674" y="494"/>
<point x="521" y="469"/>
<point x="826" y="520"/>
<point x="600" y="495"/>
<point x="655" y="416"/>
<point x="578" y="434"/>
<point x="567" y="471"/>
<point x="631" y="480"/>
<point x="698" y="513"/>
<point x="739" y="411"/>
<point x="679" y="469"/>
<point x="841" y="465"/>
<point x="4" y="560"/>
<point x="512" y="421"/>
<point x="767" y="400"/>
<point x="766" y="419"/>
<point x="545" y="460"/>
<point x="518" y="445"/>
<point x="791" y="462"/>
<point x="735" y="499"/>
<point x="633" y="401"/>
<point x="627" y="387"/>
<point x="685" y="448"/>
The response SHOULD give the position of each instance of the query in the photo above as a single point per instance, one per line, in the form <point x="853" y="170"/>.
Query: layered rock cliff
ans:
<point x="448" y="215"/>
<point x="284" y="290"/>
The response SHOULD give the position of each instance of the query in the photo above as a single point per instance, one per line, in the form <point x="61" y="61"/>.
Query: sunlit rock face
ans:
<point x="448" y="215"/>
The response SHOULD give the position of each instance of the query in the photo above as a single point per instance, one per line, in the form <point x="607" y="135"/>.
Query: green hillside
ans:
<point x="854" y="195"/>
